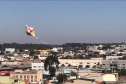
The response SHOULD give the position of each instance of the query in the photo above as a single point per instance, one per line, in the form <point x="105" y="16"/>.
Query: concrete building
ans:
<point x="80" y="62"/>
<point x="38" y="66"/>
<point x="119" y="64"/>
<point x="29" y="76"/>
<point x="100" y="58"/>
<point x="92" y="48"/>
<point x="11" y="50"/>
<point x="113" y="57"/>
<point x="107" y="78"/>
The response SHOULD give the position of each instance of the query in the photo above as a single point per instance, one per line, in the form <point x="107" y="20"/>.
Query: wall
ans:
<point x="77" y="62"/>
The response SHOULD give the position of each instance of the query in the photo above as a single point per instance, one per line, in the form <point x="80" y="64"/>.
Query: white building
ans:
<point x="1" y="58"/>
<point x="107" y="77"/>
<point x="38" y="66"/>
<point x="113" y="57"/>
<point x="25" y="55"/>
<point x="55" y="49"/>
<point x="11" y="50"/>
<point x="100" y="58"/>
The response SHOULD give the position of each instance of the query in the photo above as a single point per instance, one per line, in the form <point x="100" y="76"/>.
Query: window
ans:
<point x="87" y="66"/>
<point x="123" y="64"/>
<point x="94" y="63"/>
<point x="81" y="63"/>
<point x="88" y="63"/>
<point x="66" y="63"/>
<point x="34" y="66"/>
<point x="39" y="66"/>
<point x="16" y="76"/>
<point x="32" y="77"/>
<point x="27" y="76"/>
<point x="35" y="76"/>
<point x="21" y="76"/>
<point x="103" y="64"/>
<point x="24" y="76"/>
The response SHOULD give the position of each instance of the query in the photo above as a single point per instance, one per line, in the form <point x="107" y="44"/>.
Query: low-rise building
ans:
<point x="79" y="62"/>
<point x="28" y="76"/>
<point x="113" y="57"/>
<point x="11" y="50"/>
<point x="38" y="66"/>
<point x="114" y="64"/>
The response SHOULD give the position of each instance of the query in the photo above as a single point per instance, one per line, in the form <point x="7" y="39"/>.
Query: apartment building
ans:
<point x="38" y="66"/>
<point x="119" y="64"/>
<point x="28" y="76"/>
<point x="80" y="62"/>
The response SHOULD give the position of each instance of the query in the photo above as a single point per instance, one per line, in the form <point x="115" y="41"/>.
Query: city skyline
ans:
<point x="59" y="22"/>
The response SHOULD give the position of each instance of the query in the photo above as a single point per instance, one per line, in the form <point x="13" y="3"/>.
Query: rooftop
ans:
<point x="26" y="72"/>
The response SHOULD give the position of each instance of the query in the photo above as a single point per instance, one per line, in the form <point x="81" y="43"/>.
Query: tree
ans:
<point x="61" y="78"/>
<point x="62" y="65"/>
<point x="103" y="82"/>
<point x="51" y="63"/>
<point x="73" y="73"/>
<point x="32" y="53"/>
<point x="21" y="49"/>
<point x="36" y="57"/>
<point x="122" y="72"/>
<point x="69" y="65"/>
<point x="123" y="58"/>
<point x="98" y="65"/>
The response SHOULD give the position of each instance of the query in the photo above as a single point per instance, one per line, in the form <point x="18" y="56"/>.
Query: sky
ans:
<point x="60" y="22"/>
